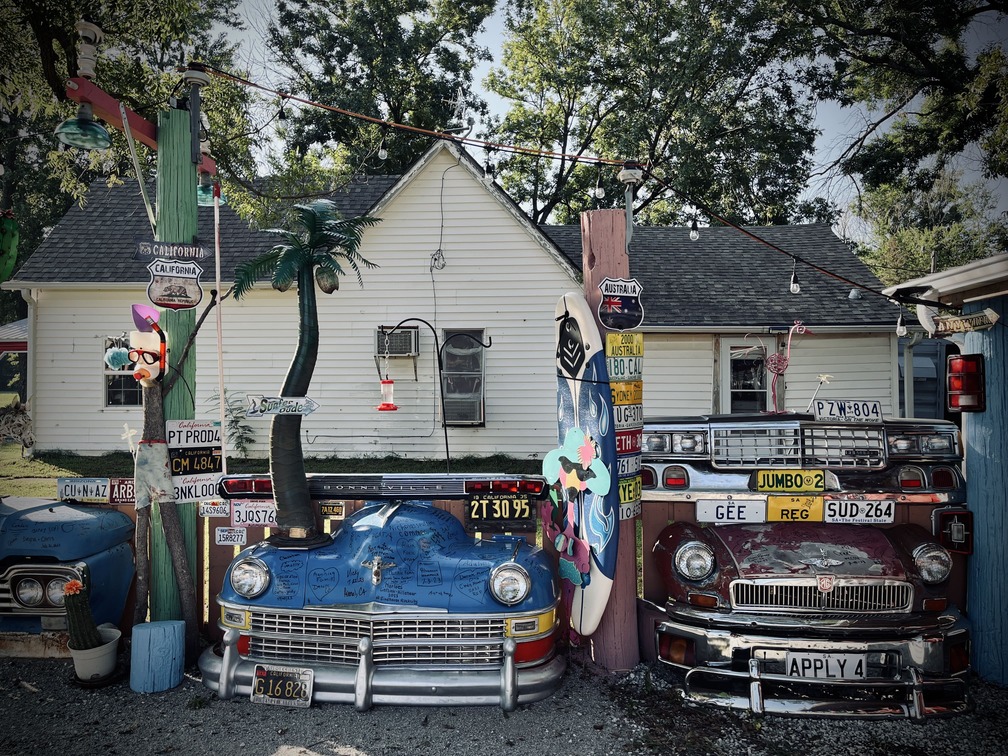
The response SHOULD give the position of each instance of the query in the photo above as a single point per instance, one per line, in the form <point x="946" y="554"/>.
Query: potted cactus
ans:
<point x="94" y="649"/>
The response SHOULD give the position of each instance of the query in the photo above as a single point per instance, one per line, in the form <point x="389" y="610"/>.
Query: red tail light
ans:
<point x="533" y="487"/>
<point x="965" y="382"/>
<point x="943" y="478"/>
<point x="533" y="650"/>
<point x="237" y="486"/>
<point x="647" y="478"/>
<point x="244" y="641"/>
<point x="911" y="477"/>
<point x="676" y="477"/>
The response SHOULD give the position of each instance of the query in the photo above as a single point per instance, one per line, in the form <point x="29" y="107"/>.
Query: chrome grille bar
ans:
<point x="794" y="444"/>
<point x="855" y="597"/>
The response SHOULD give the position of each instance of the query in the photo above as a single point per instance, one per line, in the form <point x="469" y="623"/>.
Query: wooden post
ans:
<point x="614" y="645"/>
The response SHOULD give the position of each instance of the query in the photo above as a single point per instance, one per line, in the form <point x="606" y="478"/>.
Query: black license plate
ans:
<point x="500" y="512"/>
<point x="282" y="686"/>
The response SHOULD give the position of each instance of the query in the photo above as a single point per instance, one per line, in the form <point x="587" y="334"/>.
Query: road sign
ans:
<point x="262" y="406"/>
<point x="174" y="284"/>
<point x="620" y="308"/>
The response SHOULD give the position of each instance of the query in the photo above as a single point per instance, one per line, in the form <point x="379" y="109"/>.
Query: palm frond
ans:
<point x="288" y="264"/>
<point x="250" y="271"/>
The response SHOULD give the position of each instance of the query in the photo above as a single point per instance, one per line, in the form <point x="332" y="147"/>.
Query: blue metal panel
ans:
<point x="986" y="439"/>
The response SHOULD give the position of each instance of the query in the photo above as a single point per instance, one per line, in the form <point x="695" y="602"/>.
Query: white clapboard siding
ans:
<point x="678" y="371"/>
<point x="862" y="366"/>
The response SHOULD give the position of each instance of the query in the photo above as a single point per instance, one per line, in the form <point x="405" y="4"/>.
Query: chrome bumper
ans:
<point x="736" y="665"/>
<point x="366" y="684"/>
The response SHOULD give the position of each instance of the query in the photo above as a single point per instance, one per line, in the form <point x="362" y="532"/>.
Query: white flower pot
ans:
<point x="96" y="663"/>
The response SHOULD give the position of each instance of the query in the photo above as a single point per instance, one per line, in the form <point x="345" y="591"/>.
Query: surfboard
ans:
<point x="582" y="519"/>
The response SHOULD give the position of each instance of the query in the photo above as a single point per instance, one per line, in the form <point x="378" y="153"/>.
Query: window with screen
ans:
<point x="747" y="380"/>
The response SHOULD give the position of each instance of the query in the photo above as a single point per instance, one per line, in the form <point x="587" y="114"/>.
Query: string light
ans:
<point x="599" y="192"/>
<point x="694" y="232"/>
<point x="901" y="329"/>
<point x="795" y="286"/>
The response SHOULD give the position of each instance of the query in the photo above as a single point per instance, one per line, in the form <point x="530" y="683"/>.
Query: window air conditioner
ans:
<point x="404" y="342"/>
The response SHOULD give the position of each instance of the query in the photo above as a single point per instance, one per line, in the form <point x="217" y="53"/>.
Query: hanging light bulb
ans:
<point x="901" y="329"/>
<point x="694" y="232"/>
<point x="599" y="191"/>
<point x="382" y="152"/>
<point x="795" y="286"/>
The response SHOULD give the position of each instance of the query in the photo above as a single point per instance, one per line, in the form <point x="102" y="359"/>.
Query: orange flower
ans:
<point x="73" y="587"/>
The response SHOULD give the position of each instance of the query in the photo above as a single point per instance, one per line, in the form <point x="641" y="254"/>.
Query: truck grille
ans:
<point x="794" y="445"/>
<point x="804" y="596"/>
<point x="436" y="640"/>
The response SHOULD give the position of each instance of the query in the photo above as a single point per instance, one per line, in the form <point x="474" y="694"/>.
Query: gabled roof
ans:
<point x="78" y="250"/>
<point x="726" y="279"/>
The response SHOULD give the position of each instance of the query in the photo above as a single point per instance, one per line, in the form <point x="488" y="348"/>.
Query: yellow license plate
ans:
<point x="788" y="481"/>
<point x="794" y="508"/>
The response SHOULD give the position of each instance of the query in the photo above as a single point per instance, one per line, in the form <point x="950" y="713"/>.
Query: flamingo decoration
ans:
<point x="777" y="363"/>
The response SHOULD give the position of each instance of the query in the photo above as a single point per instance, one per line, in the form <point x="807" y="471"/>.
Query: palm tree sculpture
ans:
<point x="313" y="253"/>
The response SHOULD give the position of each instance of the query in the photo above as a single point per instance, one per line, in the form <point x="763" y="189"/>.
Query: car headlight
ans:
<point x="510" y="583"/>
<point x="933" y="562"/>
<point x="29" y="592"/>
<point x="54" y="591"/>
<point x="902" y="444"/>
<point x="694" y="560"/>
<point x="689" y="443"/>
<point x="250" y="578"/>
<point x="938" y="443"/>
<point x="657" y="443"/>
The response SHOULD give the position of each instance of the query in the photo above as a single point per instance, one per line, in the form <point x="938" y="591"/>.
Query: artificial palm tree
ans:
<point x="316" y="251"/>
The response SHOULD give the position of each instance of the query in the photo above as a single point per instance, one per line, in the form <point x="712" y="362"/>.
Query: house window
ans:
<point x="747" y="379"/>
<point x="462" y="376"/>
<point x="121" y="388"/>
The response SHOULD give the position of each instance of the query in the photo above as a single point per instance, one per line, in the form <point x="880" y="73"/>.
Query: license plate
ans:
<point x="500" y="512"/>
<point x="724" y="511"/>
<point x="860" y="512"/>
<point x="250" y="513"/>
<point x="822" y="666"/>
<point x="282" y="686"/>
<point x="790" y="481"/>
<point x="847" y="410"/>
<point x="794" y="508"/>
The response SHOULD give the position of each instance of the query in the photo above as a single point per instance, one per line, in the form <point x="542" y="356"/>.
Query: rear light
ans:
<point x="959" y="660"/>
<point x="238" y="486"/>
<point x="676" y="477"/>
<point x="244" y="642"/>
<point x="955" y="530"/>
<point x="648" y="478"/>
<point x="911" y="477"/>
<point x="943" y="478"/>
<point x="676" y="650"/>
<point x="534" y="650"/>
<point x="935" y="604"/>
<point x="965" y="382"/>
<point x="533" y="487"/>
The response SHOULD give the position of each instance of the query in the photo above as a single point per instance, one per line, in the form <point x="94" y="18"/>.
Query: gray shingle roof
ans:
<point x="727" y="279"/>
<point x="95" y="244"/>
<point x="722" y="280"/>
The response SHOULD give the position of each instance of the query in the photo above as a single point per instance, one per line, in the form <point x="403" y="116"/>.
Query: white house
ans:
<point x="455" y="251"/>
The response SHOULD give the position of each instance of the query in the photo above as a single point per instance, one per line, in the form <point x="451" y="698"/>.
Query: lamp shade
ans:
<point x="83" y="131"/>
<point x="205" y="192"/>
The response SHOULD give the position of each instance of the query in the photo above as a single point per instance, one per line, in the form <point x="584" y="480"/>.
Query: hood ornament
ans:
<point x="376" y="565"/>
<point x="822" y="562"/>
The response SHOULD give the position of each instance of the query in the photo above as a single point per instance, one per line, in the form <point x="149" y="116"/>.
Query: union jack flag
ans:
<point x="612" y="304"/>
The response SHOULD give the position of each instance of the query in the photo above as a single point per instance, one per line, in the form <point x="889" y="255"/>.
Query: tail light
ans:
<point x="959" y="660"/>
<point x="676" y="650"/>
<point x="965" y="383"/>
<point x="911" y="477"/>
<point x="955" y="530"/>
<point x="943" y="478"/>
<point x="648" y="479"/>
<point x="238" y="486"/>
<point x="531" y="486"/>
<point x="534" y="650"/>
<point x="244" y="642"/>
<point x="676" y="477"/>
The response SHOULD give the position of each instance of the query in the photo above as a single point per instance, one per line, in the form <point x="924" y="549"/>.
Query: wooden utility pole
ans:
<point x="614" y="645"/>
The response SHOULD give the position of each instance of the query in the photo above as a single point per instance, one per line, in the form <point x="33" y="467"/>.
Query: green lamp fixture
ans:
<point x="205" y="192"/>
<point x="84" y="131"/>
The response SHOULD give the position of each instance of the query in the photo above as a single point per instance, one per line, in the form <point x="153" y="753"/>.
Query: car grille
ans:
<point x="795" y="444"/>
<point x="436" y="640"/>
<point x="804" y="596"/>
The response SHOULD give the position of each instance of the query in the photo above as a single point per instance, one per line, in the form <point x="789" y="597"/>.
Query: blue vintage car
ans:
<point x="403" y="606"/>
<point x="45" y="543"/>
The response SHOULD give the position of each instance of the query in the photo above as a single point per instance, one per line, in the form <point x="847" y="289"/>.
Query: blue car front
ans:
<point x="402" y="607"/>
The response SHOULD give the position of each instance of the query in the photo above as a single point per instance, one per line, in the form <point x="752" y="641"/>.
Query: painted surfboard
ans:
<point x="582" y="518"/>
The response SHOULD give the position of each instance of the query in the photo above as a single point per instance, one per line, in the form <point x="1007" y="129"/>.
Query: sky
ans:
<point x="838" y="126"/>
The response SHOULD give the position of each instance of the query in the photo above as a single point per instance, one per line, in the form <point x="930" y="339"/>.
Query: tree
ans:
<point x="314" y="253"/>
<point x="934" y="86"/>
<point x="710" y="96"/>
<point x="916" y="230"/>
<point x="407" y="61"/>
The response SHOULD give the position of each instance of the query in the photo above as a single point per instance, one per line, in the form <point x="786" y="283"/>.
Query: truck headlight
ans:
<point x="657" y="443"/>
<point x="54" y="591"/>
<point x="689" y="443"/>
<point x="29" y="592"/>
<point x="694" y="560"/>
<point x="250" y="578"/>
<point x="510" y="583"/>
<point x="933" y="562"/>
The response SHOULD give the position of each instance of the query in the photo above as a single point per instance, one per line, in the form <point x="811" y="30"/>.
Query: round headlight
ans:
<point x="694" y="560"/>
<point x="510" y="583"/>
<point x="29" y="592"/>
<point x="250" y="578"/>
<point x="933" y="562"/>
<point x="54" y="591"/>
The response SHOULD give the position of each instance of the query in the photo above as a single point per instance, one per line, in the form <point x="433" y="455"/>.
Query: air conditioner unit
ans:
<point x="403" y="342"/>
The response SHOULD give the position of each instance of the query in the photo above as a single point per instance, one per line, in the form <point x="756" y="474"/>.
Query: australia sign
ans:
<point x="174" y="284"/>
<point x="620" y="308"/>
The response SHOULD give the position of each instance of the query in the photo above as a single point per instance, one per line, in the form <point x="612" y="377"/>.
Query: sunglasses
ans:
<point x="148" y="357"/>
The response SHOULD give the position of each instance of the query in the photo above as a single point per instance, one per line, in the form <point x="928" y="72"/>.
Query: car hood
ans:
<point x="422" y="556"/>
<point x="789" y="549"/>
<point x="54" y="530"/>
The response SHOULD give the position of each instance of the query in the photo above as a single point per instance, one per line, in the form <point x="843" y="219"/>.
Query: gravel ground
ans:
<point x="44" y="711"/>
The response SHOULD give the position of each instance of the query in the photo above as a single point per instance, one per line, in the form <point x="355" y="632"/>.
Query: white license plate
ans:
<point x="246" y="513"/>
<point x="722" y="511"/>
<point x="847" y="410"/>
<point x="822" y="666"/>
<point x="282" y="686"/>
<point x="860" y="512"/>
